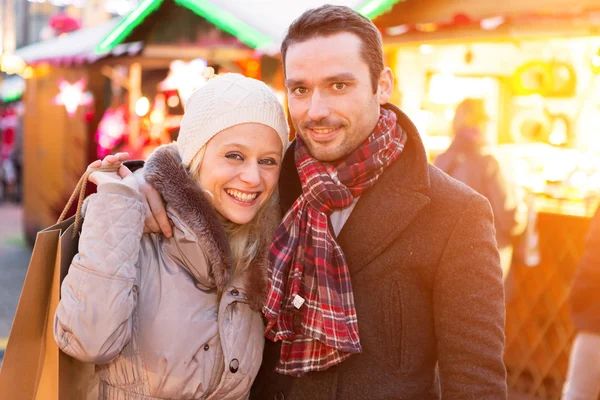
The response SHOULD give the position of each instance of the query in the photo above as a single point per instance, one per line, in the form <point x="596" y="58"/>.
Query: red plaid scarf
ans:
<point x="310" y="305"/>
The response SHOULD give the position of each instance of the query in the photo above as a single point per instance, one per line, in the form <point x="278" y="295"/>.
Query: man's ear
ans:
<point x="385" y="86"/>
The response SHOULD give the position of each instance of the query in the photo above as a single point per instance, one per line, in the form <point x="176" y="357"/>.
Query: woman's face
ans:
<point x="240" y="169"/>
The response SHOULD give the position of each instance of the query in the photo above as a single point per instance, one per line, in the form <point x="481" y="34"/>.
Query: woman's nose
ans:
<point x="250" y="173"/>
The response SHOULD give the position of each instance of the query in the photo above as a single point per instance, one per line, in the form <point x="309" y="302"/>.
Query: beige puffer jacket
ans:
<point x="148" y="310"/>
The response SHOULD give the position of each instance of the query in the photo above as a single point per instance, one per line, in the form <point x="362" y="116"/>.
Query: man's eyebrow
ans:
<point x="293" y="83"/>
<point x="343" y="77"/>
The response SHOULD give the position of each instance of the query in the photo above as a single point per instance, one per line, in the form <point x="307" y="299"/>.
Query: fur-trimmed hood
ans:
<point x="183" y="195"/>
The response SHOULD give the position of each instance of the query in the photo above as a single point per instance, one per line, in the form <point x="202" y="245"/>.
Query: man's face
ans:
<point x="330" y="97"/>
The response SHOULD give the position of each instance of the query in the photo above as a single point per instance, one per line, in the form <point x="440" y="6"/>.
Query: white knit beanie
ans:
<point x="225" y="101"/>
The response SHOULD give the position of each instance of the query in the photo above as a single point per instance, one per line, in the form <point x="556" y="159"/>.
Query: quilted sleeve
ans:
<point x="93" y="322"/>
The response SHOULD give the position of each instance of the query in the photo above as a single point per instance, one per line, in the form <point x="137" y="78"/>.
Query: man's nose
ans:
<point x="318" y="107"/>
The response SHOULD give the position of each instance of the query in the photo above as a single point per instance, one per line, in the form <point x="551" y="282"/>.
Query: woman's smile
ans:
<point x="243" y="197"/>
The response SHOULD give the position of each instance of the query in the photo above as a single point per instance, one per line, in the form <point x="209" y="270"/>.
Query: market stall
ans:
<point x="63" y="88"/>
<point x="536" y="66"/>
<point x="82" y="102"/>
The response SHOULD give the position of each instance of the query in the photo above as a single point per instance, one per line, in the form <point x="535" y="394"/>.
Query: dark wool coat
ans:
<point x="585" y="292"/>
<point x="428" y="290"/>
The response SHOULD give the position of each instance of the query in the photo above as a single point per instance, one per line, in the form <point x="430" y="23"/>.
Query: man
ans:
<point x="385" y="279"/>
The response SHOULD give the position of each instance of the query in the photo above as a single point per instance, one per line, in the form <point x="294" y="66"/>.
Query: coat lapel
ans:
<point x="379" y="217"/>
<point x="385" y="210"/>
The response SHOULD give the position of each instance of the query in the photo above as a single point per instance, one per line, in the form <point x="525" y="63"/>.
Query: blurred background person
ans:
<point x="8" y="172"/>
<point x="583" y="378"/>
<point x="468" y="160"/>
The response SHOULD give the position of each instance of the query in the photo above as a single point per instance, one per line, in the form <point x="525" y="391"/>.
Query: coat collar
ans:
<point x="386" y="209"/>
<point x="203" y="229"/>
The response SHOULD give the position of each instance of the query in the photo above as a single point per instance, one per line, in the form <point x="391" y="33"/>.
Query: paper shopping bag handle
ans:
<point x="80" y="192"/>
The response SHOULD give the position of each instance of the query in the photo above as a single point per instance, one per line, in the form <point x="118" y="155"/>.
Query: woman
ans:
<point x="179" y="317"/>
<point x="468" y="161"/>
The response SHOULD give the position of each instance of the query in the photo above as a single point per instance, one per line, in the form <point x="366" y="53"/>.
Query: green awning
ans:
<point x="260" y="24"/>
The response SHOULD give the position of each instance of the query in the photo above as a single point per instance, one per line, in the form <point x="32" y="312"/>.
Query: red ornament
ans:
<point x="62" y="23"/>
<point x="9" y="121"/>
<point x="461" y="19"/>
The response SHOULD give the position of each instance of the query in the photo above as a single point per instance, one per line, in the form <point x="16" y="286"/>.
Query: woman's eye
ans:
<point x="268" y="161"/>
<point x="339" y="86"/>
<point x="234" y="156"/>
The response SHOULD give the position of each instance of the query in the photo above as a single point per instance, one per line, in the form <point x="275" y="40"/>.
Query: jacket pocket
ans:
<point x="393" y="324"/>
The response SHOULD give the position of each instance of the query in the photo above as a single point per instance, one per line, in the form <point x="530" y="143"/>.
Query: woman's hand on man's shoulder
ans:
<point x="156" y="220"/>
<point x="122" y="176"/>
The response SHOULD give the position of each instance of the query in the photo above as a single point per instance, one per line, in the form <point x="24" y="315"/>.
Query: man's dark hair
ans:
<point x="329" y="20"/>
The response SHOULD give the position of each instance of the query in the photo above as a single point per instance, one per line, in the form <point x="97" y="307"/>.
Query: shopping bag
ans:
<point x="24" y="355"/>
<point x="34" y="368"/>
<point x="63" y="377"/>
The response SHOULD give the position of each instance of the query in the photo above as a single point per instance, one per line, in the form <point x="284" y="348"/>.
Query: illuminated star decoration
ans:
<point x="72" y="95"/>
<point x="185" y="77"/>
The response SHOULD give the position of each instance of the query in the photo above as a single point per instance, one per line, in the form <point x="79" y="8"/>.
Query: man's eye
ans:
<point x="339" y="86"/>
<point x="234" y="156"/>
<point x="300" y="90"/>
<point x="268" y="161"/>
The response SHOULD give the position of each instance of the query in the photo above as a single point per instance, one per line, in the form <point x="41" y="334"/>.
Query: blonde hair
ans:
<point x="470" y="113"/>
<point x="244" y="240"/>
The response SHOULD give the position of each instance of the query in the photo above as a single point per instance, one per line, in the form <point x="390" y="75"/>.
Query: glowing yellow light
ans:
<point x="558" y="164"/>
<point x="533" y="100"/>
<point x="12" y="64"/>
<point x="436" y="143"/>
<point x="492" y="23"/>
<point x="173" y="101"/>
<point x="553" y="172"/>
<point x="426" y="49"/>
<point x="594" y="181"/>
<point x="538" y="185"/>
<point x="422" y="119"/>
<point x="588" y="161"/>
<point x="27" y="73"/>
<point x="142" y="106"/>
<point x="564" y="73"/>
<point x="252" y="68"/>
<point x="209" y="73"/>
<point x="444" y="88"/>
<point x="449" y="114"/>
<point x="579" y="179"/>
<point x="558" y="136"/>
<point x="427" y="27"/>
<point x="397" y="30"/>
<point x="157" y="117"/>
<point x="522" y="173"/>
<point x="42" y="69"/>
<point x="596" y="61"/>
